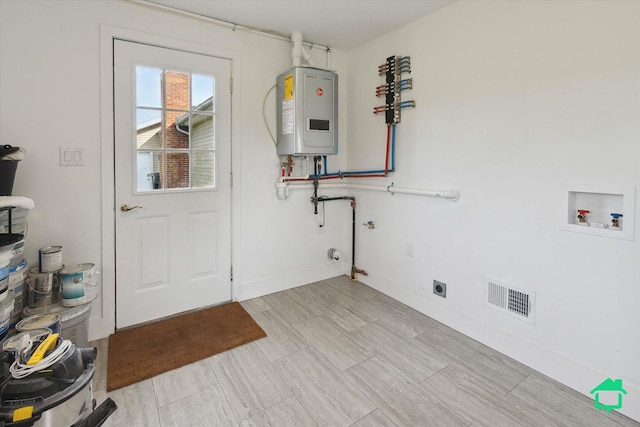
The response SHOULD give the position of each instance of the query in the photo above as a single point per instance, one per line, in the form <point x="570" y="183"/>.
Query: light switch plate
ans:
<point x="71" y="156"/>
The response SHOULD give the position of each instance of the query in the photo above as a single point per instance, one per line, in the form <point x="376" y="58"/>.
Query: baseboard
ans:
<point x="562" y="369"/>
<point x="290" y="280"/>
<point x="98" y="328"/>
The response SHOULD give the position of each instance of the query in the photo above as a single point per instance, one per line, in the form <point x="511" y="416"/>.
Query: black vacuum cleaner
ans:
<point x="47" y="382"/>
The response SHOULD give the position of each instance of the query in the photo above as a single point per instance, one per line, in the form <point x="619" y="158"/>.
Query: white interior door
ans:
<point x="173" y="235"/>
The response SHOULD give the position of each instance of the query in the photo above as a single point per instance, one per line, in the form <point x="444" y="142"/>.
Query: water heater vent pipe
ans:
<point x="298" y="51"/>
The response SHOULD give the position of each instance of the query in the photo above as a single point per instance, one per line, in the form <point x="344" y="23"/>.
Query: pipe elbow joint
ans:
<point x="282" y="190"/>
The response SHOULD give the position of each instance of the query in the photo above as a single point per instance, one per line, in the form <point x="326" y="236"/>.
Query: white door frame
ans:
<point x="102" y="321"/>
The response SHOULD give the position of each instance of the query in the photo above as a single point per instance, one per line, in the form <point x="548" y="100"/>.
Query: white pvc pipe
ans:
<point x="307" y="56"/>
<point x="452" y="195"/>
<point x="296" y="50"/>
<point x="283" y="188"/>
<point x="226" y="24"/>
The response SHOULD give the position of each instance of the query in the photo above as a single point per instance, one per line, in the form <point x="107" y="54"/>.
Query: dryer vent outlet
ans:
<point x="440" y="289"/>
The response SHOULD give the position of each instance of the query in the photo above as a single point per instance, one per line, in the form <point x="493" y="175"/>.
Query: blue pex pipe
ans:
<point x="393" y="148"/>
<point x="367" y="172"/>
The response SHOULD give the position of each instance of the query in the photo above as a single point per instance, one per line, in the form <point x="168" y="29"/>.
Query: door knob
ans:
<point x="127" y="208"/>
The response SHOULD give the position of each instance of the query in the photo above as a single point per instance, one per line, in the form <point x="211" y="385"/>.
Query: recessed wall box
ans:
<point x="590" y="209"/>
<point x="307" y="112"/>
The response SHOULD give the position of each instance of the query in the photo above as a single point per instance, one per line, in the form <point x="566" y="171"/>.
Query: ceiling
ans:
<point x="340" y="24"/>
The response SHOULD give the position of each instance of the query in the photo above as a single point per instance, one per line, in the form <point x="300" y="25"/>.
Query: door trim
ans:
<point x="102" y="321"/>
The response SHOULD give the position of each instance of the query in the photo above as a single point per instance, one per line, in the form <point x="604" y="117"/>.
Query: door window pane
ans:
<point x="178" y="170"/>
<point x="202" y="95"/>
<point x="177" y="129"/>
<point x="176" y="90"/>
<point x="202" y="132"/>
<point x="148" y="129"/>
<point x="148" y="87"/>
<point x="202" y="170"/>
<point x="149" y="175"/>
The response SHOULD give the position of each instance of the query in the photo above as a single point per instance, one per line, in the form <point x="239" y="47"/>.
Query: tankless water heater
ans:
<point x="307" y="112"/>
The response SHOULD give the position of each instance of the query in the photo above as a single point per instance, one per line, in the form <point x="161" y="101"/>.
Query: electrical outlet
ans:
<point x="410" y="249"/>
<point x="440" y="289"/>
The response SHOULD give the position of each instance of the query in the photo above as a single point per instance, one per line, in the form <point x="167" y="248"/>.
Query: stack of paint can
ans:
<point x="6" y="296"/>
<point x="13" y="266"/>
<point x="61" y="295"/>
<point x="43" y="281"/>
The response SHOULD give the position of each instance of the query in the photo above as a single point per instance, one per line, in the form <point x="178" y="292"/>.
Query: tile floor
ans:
<point x="338" y="353"/>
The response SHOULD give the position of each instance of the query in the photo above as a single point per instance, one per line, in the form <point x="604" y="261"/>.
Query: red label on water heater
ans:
<point x="319" y="91"/>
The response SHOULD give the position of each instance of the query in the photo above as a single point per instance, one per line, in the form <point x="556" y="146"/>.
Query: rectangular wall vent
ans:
<point x="518" y="303"/>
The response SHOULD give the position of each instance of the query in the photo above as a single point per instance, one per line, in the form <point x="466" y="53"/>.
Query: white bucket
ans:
<point x="17" y="273"/>
<point x="18" y="252"/>
<point x="79" y="283"/>
<point x="17" y="288"/>
<point x="5" y="259"/>
<point x="16" y="284"/>
<point x="6" y="308"/>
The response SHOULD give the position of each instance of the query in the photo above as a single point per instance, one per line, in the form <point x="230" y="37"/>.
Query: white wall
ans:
<point x="50" y="96"/>
<point x="514" y="101"/>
